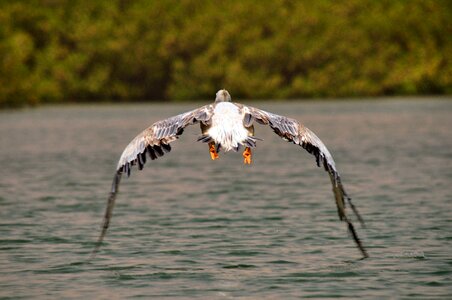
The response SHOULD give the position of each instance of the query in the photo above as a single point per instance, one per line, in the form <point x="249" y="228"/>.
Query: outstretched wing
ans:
<point x="154" y="141"/>
<point x="291" y="130"/>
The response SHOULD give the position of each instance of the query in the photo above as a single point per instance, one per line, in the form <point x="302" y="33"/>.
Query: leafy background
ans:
<point x="118" y="50"/>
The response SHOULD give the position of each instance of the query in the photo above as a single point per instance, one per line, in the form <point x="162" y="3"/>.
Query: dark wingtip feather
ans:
<point x="151" y="153"/>
<point x="326" y="165"/>
<point x="352" y="230"/>
<point x="158" y="150"/>
<point x="126" y="168"/>
<point x="143" y="156"/>
<point x="140" y="162"/>
<point x="355" y="211"/>
<point x="349" y="201"/>
<point x="166" y="147"/>
<point x="108" y="212"/>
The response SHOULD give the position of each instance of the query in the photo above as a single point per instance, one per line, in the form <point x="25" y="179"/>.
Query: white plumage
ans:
<point x="227" y="127"/>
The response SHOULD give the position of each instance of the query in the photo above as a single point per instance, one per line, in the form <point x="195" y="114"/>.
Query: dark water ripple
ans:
<point x="186" y="227"/>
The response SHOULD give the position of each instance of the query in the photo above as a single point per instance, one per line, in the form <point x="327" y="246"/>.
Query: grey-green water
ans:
<point x="188" y="227"/>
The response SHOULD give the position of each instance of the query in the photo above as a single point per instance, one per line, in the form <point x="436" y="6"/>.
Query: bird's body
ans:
<point x="227" y="126"/>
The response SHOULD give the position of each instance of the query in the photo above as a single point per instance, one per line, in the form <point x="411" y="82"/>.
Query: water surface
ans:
<point x="187" y="227"/>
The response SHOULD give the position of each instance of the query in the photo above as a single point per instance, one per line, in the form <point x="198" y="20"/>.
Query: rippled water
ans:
<point x="189" y="227"/>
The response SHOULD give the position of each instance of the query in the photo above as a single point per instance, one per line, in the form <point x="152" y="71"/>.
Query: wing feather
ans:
<point x="292" y="131"/>
<point x="160" y="134"/>
<point x="153" y="141"/>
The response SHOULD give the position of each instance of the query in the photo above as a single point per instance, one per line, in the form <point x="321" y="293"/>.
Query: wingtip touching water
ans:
<point x="108" y="212"/>
<point x="227" y="126"/>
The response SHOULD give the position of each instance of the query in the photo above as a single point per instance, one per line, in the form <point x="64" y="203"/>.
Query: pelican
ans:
<point x="227" y="126"/>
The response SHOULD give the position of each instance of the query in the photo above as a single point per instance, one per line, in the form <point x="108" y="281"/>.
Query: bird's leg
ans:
<point x="247" y="156"/>
<point x="213" y="151"/>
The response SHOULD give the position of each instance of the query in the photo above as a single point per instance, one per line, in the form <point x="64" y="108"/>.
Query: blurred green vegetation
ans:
<point x="119" y="50"/>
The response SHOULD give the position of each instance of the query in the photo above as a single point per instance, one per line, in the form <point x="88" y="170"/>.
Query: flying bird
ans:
<point x="227" y="126"/>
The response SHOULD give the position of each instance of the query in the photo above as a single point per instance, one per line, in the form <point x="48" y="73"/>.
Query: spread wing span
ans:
<point x="154" y="142"/>
<point x="291" y="130"/>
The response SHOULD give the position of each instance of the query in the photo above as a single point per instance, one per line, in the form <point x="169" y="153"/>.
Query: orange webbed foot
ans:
<point x="247" y="156"/>
<point x="213" y="151"/>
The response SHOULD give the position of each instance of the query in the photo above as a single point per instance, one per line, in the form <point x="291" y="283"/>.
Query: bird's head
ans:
<point x="223" y="96"/>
